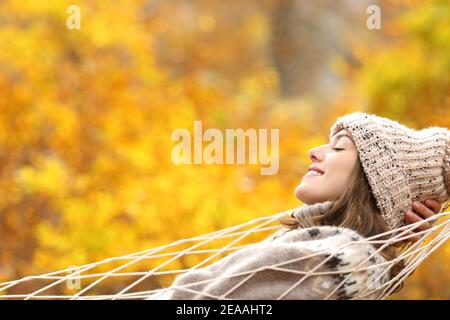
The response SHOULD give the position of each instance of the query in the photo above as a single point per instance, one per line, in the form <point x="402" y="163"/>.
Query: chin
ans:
<point x="306" y="194"/>
<point x="302" y="194"/>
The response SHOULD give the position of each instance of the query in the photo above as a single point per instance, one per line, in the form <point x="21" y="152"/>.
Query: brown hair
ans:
<point x="356" y="209"/>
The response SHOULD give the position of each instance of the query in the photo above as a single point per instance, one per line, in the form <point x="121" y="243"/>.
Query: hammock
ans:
<point x="148" y="273"/>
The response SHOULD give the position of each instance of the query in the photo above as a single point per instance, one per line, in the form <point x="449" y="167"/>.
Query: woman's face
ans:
<point x="335" y="162"/>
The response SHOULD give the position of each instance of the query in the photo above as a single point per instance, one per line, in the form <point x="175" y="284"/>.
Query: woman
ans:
<point x="363" y="183"/>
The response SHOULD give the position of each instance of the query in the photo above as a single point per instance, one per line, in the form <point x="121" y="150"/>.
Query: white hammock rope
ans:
<point x="165" y="261"/>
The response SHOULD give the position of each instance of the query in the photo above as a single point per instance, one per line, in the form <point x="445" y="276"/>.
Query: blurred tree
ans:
<point x="306" y="36"/>
<point x="85" y="125"/>
<point x="87" y="115"/>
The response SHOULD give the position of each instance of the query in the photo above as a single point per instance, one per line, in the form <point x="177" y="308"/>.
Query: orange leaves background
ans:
<point x="86" y="115"/>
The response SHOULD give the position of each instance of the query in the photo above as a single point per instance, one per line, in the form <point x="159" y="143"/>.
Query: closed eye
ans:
<point x="337" y="149"/>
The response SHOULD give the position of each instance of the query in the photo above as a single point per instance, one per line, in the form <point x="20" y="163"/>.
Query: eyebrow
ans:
<point x="337" y="137"/>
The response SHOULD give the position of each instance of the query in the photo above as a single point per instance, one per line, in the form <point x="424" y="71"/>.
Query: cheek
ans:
<point x="332" y="184"/>
<point x="339" y="170"/>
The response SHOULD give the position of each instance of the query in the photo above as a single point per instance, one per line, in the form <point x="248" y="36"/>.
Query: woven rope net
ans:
<point x="146" y="274"/>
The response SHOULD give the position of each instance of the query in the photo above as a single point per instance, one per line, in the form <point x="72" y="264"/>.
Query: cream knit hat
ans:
<point x="401" y="164"/>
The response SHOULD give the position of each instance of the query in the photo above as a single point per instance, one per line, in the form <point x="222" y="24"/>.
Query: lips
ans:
<point x="314" y="171"/>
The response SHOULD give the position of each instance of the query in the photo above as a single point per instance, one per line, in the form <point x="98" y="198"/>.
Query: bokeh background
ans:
<point x="86" y="115"/>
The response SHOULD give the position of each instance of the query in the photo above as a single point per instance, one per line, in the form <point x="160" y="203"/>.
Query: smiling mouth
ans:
<point x="313" y="173"/>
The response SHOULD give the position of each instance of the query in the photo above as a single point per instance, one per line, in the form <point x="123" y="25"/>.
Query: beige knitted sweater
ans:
<point x="275" y="267"/>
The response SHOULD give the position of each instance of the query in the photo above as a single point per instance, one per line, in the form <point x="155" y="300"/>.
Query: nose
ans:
<point x="312" y="154"/>
<point x="315" y="154"/>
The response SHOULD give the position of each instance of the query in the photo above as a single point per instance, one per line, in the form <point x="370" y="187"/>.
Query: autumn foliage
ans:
<point x="86" y="118"/>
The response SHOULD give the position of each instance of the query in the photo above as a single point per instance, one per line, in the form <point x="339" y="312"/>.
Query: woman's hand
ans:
<point x="419" y="212"/>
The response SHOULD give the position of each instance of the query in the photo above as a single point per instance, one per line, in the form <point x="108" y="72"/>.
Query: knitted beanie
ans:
<point x="402" y="165"/>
